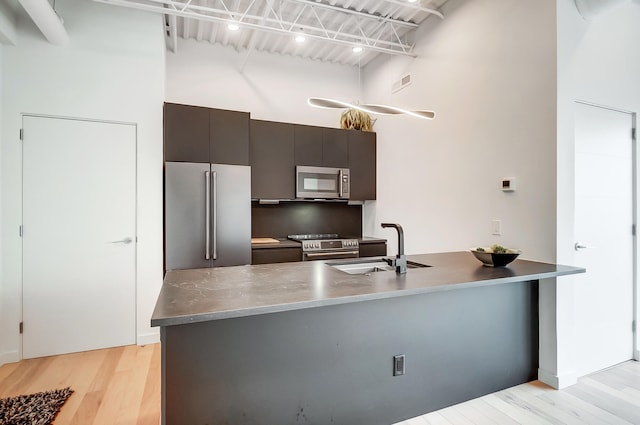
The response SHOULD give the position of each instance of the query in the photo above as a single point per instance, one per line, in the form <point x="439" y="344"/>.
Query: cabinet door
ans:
<point x="272" y="160"/>
<point x="335" y="148"/>
<point x="186" y="133"/>
<point x="362" y="163"/>
<point x="308" y="145"/>
<point x="275" y="255"/>
<point x="229" y="137"/>
<point x="377" y="249"/>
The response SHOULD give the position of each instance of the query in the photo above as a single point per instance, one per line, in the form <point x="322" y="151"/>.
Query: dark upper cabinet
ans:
<point x="362" y="164"/>
<point x="272" y="160"/>
<point x="229" y="137"/>
<point x="198" y="134"/>
<point x="321" y="147"/>
<point x="335" y="148"/>
<point x="308" y="145"/>
<point x="186" y="133"/>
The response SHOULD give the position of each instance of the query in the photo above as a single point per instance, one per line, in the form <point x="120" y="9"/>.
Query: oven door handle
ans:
<point x="326" y="254"/>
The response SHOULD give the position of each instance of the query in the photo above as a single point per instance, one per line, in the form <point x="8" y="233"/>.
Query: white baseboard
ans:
<point x="148" y="338"/>
<point x="9" y="357"/>
<point x="555" y="381"/>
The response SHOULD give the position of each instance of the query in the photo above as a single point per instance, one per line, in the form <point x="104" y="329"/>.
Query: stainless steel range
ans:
<point x="326" y="246"/>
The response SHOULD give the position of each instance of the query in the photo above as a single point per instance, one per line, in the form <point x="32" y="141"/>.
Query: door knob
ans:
<point x="125" y="241"/>
<point x="578" y="246"/>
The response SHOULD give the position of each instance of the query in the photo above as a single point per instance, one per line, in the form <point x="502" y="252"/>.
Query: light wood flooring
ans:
<point x="112" y="386"/>
<point x="611" y="396"/>
<point x="122" y="386"/>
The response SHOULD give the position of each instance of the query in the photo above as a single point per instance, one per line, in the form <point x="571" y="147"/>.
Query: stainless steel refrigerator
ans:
<point x="207" y="215"/>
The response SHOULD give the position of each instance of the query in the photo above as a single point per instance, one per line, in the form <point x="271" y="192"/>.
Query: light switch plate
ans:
<point x="496" y="227"/>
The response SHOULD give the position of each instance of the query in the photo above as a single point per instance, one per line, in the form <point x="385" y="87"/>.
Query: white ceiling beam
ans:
<point x="417" y="6"/>
<point x="47" y="20"/>
<point x="357" y="13"/>
<point x="8" y="34"/>
<point x="274" y="25"/>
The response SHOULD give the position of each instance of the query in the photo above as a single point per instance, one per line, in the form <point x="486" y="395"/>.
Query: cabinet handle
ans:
<point x="328" y="254"/>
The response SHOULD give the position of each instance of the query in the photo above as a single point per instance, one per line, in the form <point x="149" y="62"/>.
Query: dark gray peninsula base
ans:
<point x="233" y="354"/>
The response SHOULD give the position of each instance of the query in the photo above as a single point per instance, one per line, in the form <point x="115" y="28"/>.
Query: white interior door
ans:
<point x="604" y="221"/>
<point x="79" y="194"/>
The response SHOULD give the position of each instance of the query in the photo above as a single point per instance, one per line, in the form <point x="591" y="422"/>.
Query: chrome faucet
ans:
<point x="400" y="262"/>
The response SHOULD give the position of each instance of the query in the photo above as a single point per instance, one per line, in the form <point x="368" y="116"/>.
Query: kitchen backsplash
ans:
<point x="287" y="218"/>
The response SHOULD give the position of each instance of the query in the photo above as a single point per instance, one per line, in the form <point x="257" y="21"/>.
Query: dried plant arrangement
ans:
<point x="354" y="119"/>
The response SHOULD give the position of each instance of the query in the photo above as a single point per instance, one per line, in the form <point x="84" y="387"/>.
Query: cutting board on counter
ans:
<point x="264" y="240"/>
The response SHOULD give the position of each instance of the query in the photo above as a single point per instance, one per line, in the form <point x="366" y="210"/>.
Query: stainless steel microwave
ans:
<point x="322" y="182"/>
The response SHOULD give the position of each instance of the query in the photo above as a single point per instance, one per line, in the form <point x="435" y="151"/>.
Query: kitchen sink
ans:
<point x="370" y="266"/>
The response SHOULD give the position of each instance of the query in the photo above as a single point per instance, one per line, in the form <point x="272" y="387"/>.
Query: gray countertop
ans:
<point x="198" y="295"/>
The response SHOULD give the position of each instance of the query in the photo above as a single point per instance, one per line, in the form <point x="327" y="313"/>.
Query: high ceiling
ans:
<point x="330" y="28"/>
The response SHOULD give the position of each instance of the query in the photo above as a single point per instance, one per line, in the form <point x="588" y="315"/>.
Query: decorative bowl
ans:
<point x="495" y="259"/>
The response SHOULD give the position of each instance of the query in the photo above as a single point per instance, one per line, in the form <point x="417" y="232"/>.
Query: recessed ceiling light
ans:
<point x="233" y="27"/>
<point x="300" y="38"/>
<point x="357" y="49"/>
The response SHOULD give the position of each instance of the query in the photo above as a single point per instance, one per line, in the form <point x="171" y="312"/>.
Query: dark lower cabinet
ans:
<point x="205" y="135"/>
<point x="362" y="164"/>
<point x="377" y="249"/>
<point x="275" y="255"/>
<point x="272" y="160"/>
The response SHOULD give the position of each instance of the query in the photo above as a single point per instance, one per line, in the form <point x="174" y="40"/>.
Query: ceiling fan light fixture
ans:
<point x="232" y="26"/>
<point x="357" y="49"/>
<point x="412" y="1"/>
<point x="300" y="38"/>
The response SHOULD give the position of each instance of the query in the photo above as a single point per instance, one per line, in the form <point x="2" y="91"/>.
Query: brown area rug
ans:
<point x="33" y="409"/>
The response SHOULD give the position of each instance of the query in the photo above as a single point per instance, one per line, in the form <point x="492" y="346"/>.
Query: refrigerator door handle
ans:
<point x="207" y="215"/>
<point x="215" y="215"/>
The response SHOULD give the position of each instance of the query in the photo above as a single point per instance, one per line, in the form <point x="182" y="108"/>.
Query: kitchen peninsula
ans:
<point x="307" y="343"/>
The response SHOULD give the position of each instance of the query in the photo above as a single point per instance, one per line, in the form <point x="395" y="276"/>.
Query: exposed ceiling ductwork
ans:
<point x="47" y="20"/>
<point x="590" y="8"/>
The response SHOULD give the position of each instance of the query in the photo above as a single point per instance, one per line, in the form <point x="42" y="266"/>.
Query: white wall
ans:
<point x="599" y="62"/>
<point x="489" y="73"/>
<point x="113" y="69"/>
<point x="271" y="87"/>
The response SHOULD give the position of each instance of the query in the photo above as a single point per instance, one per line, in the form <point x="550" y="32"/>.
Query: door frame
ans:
<point x="635" y="210"/>
<point x="135" y="212"/>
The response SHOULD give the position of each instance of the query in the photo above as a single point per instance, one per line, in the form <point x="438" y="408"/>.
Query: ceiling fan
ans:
<point x="321" y="102"/>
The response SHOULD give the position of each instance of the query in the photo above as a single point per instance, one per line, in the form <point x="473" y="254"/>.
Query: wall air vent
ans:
<point x="401" y="83"/>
